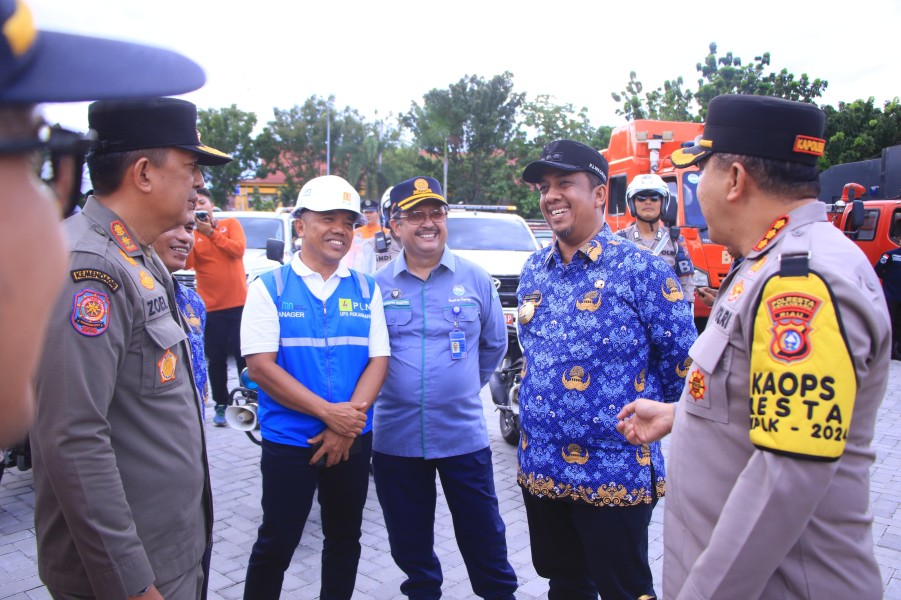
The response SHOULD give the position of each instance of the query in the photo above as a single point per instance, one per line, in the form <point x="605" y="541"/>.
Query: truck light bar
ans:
<point x="499" y="208"/>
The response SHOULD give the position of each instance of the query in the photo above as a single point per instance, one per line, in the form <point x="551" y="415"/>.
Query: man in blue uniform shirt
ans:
<point x="601" y="323"/>
<point x="447" y="337"/>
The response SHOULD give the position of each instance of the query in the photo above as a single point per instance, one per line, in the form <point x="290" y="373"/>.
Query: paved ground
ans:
<point x="236" y="485"/>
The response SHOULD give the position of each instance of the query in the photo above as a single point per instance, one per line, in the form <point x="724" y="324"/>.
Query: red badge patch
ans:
<point x="696" y="385"/>
<point x="90" y="312"/>
<point x="166" y="366"/>
<point x="121" y="233"/>
<point x="791" y="314"/>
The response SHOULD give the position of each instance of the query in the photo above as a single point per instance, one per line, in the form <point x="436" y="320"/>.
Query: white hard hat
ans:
<point x="329" y="192"/>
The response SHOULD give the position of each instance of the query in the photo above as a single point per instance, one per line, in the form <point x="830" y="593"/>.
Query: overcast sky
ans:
<point x="381" y="56"/>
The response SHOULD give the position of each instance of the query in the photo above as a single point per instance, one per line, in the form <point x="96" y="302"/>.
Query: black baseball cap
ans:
<point x="126" y="125"/>
<point x="369" y="205"/>
<point x="45" y="66"/>
<point x="760" y="126"/>
<point x="567" y="155"/>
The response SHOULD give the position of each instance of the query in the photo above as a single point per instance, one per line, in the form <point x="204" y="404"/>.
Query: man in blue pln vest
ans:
<point x="316" y="342"/>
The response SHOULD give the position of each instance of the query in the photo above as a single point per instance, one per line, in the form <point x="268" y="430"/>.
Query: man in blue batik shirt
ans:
<point x="447" y="336"/>
<point x="601" y="323"/>
<point x="173" y="247"/>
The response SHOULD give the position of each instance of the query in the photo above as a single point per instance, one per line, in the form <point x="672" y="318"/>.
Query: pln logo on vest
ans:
<point x="346" y="305"/>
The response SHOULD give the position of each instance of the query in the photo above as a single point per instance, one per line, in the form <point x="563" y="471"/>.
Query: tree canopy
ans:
<point x="229" y="130"/>
<point x="719" y="75"/>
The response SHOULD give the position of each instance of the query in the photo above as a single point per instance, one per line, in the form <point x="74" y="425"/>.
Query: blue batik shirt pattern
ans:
<point x="193" y="311"/>
<point x="597" y="333"/>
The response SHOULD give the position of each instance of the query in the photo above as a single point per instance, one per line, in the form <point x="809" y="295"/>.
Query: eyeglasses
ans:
<point x="417" y="217"/>
<point x="652" y="198"/>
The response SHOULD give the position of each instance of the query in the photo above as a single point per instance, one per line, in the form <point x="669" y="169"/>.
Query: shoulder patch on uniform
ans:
<point x="90" y="312"/>
<point x="96" y="275"/>
<point x="121" y="235"/>
<point x="803" y="383"/>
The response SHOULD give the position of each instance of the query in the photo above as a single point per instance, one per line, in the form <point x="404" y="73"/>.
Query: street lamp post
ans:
<point x="328" y="137"/>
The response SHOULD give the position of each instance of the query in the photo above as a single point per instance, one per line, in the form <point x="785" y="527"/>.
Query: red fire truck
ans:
<point x="864" y="201"/>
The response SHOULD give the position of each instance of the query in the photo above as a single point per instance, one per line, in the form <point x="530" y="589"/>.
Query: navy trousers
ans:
<point x="407" y="494"/>
<point x="587" y="550"/>
<point x="289" y="483"/>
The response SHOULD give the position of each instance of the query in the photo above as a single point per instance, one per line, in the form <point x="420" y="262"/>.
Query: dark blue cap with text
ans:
<point x="407" y="194"/>
<point x="567" y="155"/>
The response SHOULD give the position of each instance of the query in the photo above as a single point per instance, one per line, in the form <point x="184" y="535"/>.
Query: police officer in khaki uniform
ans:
<point x="123" y="505"/>
<point x="769" y="498"/>
<point x="650" y="201"/>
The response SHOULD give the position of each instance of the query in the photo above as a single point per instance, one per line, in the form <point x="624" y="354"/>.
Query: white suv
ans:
<point x="495" y="239"/>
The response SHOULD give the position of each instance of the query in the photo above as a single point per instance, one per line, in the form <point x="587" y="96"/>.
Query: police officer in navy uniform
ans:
<point x="769" y="498"/>
<point x="122" y="495"/>
<point x="889" y="270"/>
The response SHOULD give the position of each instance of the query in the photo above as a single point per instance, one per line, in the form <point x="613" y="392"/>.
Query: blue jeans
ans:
<point x="588" y="550"/>
<point x="288" y="486"/>
<point x="406" y="491"/>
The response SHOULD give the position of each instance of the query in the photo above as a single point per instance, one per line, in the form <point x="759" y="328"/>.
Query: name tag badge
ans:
<point x="458" y="344"/>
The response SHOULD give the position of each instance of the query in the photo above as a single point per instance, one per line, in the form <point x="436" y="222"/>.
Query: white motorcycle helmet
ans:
<point x="385" y="208"/>
<point x="329" y="192"/>
<point x="647" y="184"/>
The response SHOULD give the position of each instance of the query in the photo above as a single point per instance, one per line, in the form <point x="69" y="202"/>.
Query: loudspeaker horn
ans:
<point x="243" y="417"/>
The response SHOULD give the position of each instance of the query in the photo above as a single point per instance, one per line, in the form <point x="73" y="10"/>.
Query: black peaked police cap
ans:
<point x="760" y="126"/>
<point x="126" y="125"/>
<point x="567" y="155"/>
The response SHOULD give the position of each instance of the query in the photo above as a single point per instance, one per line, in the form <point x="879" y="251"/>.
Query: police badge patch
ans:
<point x="166" y="366"/>
<point x="90" y="312"/>
<point x="791" y="316"/>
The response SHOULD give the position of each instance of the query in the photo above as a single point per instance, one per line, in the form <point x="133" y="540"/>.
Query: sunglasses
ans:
<point x="652" y="198"/>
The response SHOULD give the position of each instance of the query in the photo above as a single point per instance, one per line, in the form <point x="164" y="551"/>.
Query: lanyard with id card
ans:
<point x="457" y="339"/>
